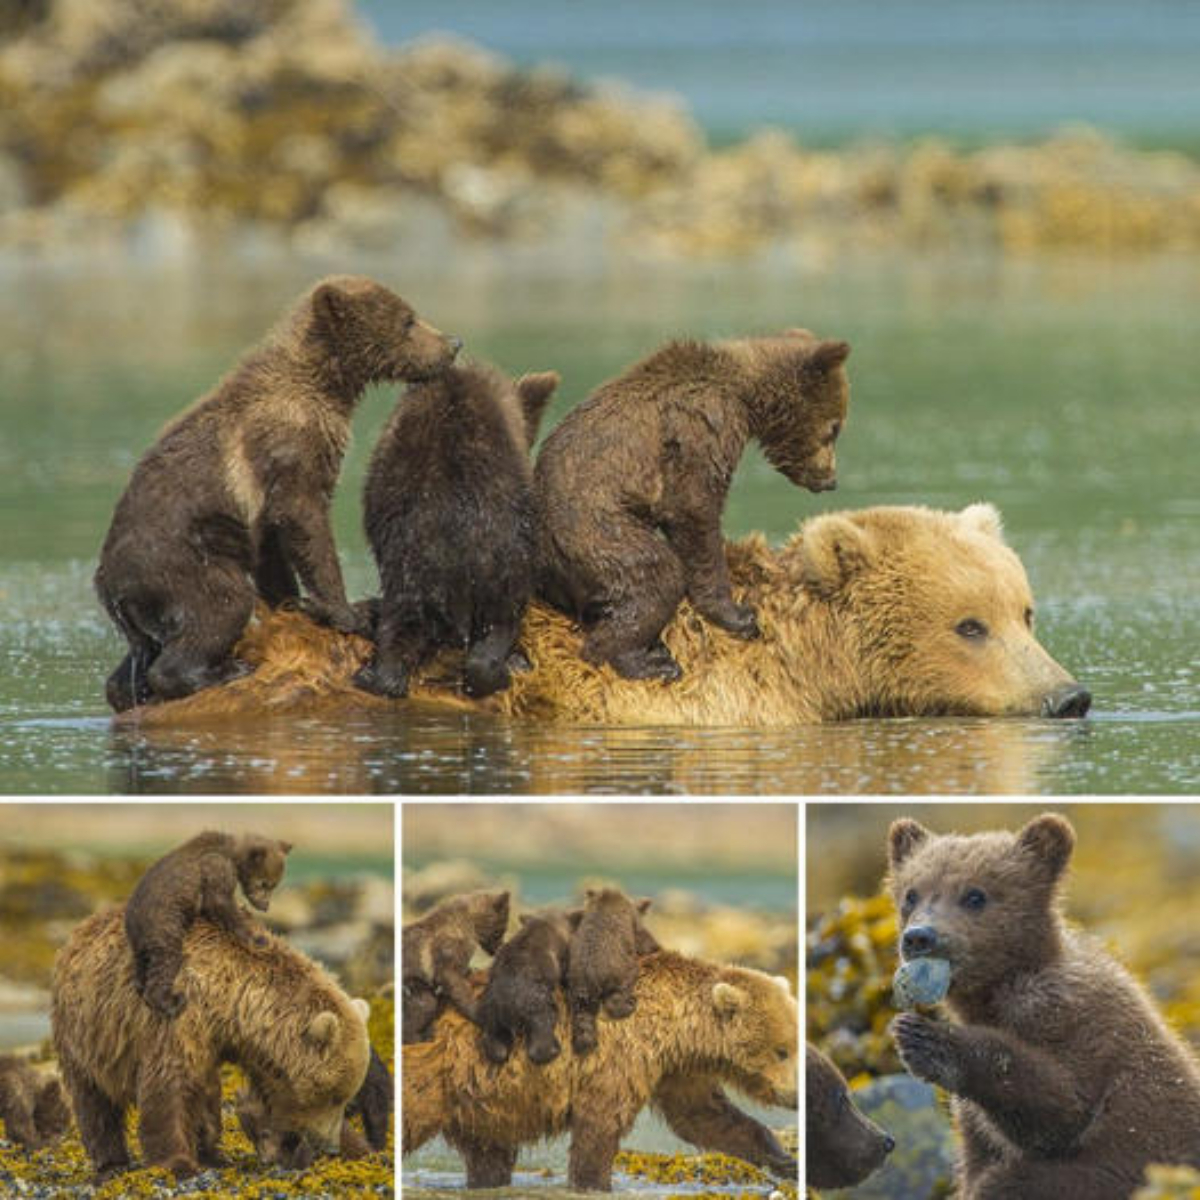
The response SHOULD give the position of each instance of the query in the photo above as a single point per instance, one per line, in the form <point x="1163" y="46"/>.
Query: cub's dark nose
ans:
<point x="1070" y="701"/>
<point x="889" y="1143"/>
<point x="918" y="940"/>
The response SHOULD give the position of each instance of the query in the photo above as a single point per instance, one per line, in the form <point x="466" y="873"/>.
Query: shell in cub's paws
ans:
<point x="920" y="981"/>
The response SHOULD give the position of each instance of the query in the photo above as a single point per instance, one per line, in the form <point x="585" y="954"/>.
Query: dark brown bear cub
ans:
<point x="841" y="1145"/>
<point x="197" y="879"/>
<point x="436" y="952"/>
<point x="448" y="511"/>
<point x="522" y="989"/>
<point x="631" y="486"/>
<point x="33" y="1106"/>
<point x="232" y="502"/>
<point x="603" y="966"/>
<point x="1065" y="1081"/>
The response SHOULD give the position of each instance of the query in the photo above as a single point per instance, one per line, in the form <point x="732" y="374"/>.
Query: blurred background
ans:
<point x="999" y="206"/>
<point x="724" y="885"/>
<point x="59" y="863"/>
<point x="1134" y="883"/>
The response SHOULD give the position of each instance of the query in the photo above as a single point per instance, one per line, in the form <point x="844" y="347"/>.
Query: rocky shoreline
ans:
<point x="131" y="124"/>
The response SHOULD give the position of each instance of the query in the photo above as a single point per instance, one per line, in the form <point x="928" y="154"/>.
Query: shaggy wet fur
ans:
<point x="603" y="966"/>
<point x="232" y="502"/>
<point x="448" y="511"/>
<point x="197" y="879"/>
<point x="696" y="1026"/>
<point x="521" y="998"/>
<point x="301" y="1041"/>
<point x="860" y="613"/>
<point x="1065" y="1079"/>
<point x="32" y="1105"/>
<point x="632" y="484"/>
<point x="841" y="1145"/>
<point x="436" y="952"/>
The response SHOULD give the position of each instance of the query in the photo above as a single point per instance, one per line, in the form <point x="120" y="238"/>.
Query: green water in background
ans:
<point x="1065" y="393"/>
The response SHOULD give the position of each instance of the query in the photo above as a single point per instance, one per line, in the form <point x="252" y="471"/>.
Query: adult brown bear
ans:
<point x="883" y="612"/>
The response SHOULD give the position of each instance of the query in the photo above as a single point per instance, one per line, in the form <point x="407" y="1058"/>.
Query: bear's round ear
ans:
<point x="904" y="836"/>
<point x="983" y="518"/>
<point x="727" y="999"/>
<point x="538" y="386"/>
<point x="524" y="919"/>
<point x="590" y="893"/>
<point x="643" y="905"/>
<point x="783" y="983"/>
<point x="322" y="1029"/>
<point x="798" y="331"/>
<point x="329" y="304"/>
<point x="1049" y="839"/>
<point x="833" y="549"/>
<point x="500" y="902"/>
<point x="575" y="917"/>
<point x="361" y="1006"/>
<point x="827" y="355"/>
<point x="285" y="847"/>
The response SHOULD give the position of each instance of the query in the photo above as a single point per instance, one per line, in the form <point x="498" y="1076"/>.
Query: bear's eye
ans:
<point x="910" y="899"/>
<point x="783" y="1054"/>
<point x="971" y="629"/>
<point x="974" y="899"/>
<point x="1029" y="618"/>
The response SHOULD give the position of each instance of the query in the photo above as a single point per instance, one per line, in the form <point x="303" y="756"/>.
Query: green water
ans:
<point x="1066" y="394"/>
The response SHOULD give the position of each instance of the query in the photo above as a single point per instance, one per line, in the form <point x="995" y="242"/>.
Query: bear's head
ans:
<point x="371" y="334"/>
<point x="941" y="613"/>
<point x="307" y="1103"/>
<point x="759" y="1022"/>
<point x="798" y="393"/>
<point x="260" y="862"/>
<point x="841" y="1145"/>
<point x="986" y="903"/>
<point x="488" y="914"/>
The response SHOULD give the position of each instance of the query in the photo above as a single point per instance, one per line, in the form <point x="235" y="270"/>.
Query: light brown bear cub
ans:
<point x="1065" y="1080"/>
<point x="232" y="502"/>
<point x="198" y="879"/>
<point x="436" y="952"/>
<point x="631" y="485"/>
<point x="32" y="1105"/>
<point x="603" y="965"/>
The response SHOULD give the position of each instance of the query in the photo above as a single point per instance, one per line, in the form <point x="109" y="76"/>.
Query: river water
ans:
<point x="1065" y="393"/>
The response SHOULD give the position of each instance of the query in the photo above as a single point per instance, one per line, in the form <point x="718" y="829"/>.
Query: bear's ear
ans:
<point x="330" y="305"/>
<point x="833" y="549"/>
<point x="361" y="1006"/>
<point x="983" y="518"/>
<point x="590" y="893"/>
<point x="322" y="1029"/>
<point x="285" y="847"/>
<point x="827" y="355"/>
<point x="500" y="902"/>
<point x="534" y="392"/>
<point x="798" y="331"/>
<point x="575" y="918"/>
<point x="783" y="983"/>
<point x="904" y="836"/>
<point x="727" y="999"/>
<point x="524" y="919"/>
<point x="1049" y="839"/>
<point x="643" y="905"/>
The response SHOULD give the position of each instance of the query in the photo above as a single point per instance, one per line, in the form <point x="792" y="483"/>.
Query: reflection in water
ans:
<point x="415" y="751"/>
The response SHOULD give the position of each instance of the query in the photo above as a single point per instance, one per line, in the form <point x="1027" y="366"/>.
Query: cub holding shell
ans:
<point x="1065" y="1080"/>
<point x="631" y="485"/>
<point x="448" y="511"/>
<point x="198" y="879"/>
<point x="232" y="502"/>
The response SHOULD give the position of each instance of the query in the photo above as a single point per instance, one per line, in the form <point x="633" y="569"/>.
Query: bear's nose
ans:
<point x="918" y="940"/>
<point x="889" y="1143"/>
<point x="1070" y="701"/>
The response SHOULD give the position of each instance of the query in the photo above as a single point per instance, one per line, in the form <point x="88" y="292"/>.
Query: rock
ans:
<point x="921" y="981"/>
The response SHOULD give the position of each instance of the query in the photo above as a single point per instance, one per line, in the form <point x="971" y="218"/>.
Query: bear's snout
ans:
<point x="1072" y="700"/>
<point x="918" y="941"/>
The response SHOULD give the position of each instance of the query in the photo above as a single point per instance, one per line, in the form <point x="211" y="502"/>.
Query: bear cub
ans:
<point x="436" y="952"/>
<point x="631" y="485"/>
<point x="603" y="966"/>
<point x="448" y="511"/>
<point x="1064" y="1078"/>
<point x="232" y="503"/>
<point x="841" y="1145"/>
<point x="33" y="1106"/>
<point x="197" y="879"/>
<point x="521" y="996"/>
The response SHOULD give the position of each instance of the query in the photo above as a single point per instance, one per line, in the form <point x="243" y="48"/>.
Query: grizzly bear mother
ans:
<point x="298" y="1037"/>
<point x="883" y="612"/>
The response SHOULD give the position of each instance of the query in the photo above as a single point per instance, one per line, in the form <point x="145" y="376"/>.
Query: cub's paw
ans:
<point x="927" y="1049"/>
<point x="345" y="618"/>
<point x="740" y="620"/>
<point x="392" y="684"/>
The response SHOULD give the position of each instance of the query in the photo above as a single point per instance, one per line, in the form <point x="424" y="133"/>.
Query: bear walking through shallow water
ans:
<point x="631" y="485"/>
<point x="1065" y="1080"/>
<point x="233" y="499"/>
